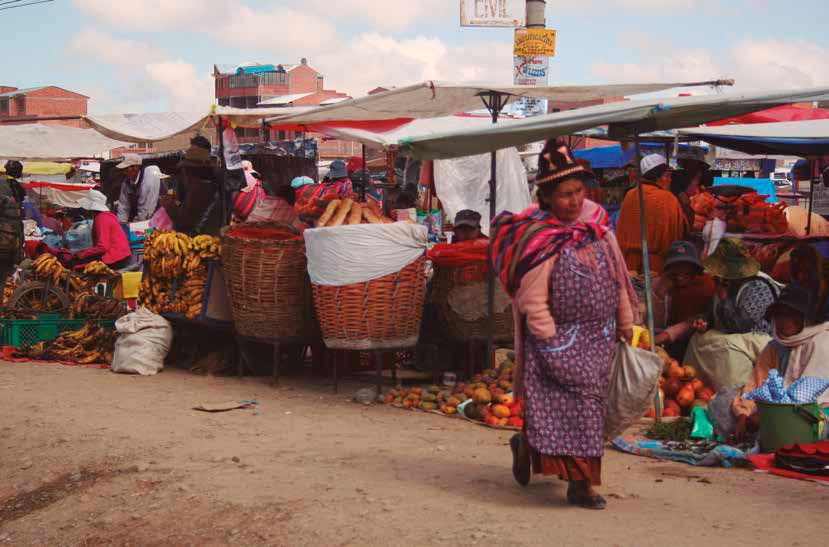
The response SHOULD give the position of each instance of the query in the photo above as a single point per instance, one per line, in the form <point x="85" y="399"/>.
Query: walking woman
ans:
<point x="573" y="300"/>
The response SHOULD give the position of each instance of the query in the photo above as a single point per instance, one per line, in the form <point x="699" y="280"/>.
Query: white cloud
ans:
<point x="144" y="74"/>
<point x="374" y="59"/>
<point x="754" y="64"/>
<point x="277" y="28"/>
<point x="388" y="15"/>
<point x="153" y="14"/>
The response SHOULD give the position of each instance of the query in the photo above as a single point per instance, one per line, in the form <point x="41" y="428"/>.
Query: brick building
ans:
<point x="26" y="105"/>
<point x="252" y="85"/>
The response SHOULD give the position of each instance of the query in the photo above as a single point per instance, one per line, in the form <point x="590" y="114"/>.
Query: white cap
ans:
<point x="651" y="161"/>
<point x="128" y="161"/>
<point x="94" y="201"/>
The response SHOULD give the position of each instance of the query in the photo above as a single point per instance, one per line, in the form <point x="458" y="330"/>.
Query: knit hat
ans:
<point x="651" y="162"/>
<point x="556" y="164"/>
<point x="731" y="261"/>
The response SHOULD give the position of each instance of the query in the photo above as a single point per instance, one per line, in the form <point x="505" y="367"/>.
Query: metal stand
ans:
<point x="495" y="102"/>
<point x="646" y="263"/>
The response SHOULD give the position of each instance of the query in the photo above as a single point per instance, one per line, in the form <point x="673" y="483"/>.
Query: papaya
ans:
<point x="500" y="411"/>
<point x="453" y="401"/>
<point x="482" y="396"/>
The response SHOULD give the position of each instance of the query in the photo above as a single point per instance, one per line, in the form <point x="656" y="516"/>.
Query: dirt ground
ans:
<point x="94" y="458"/>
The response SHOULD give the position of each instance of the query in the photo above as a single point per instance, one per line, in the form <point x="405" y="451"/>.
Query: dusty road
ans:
<point x="94" y="458"/>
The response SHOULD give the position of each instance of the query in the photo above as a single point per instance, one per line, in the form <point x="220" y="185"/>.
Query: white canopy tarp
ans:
<point x="463" y="183"/>
<point x="433" y="99"/>
<point x="416" y="128"/>
<point x="806" y="129"/>
<point x="39" y="142"/>
<point x="624" y="118"/>
<point x="158" y="126"/>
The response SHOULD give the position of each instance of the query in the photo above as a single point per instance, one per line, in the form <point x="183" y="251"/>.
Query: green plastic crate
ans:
<point x="25" y="332"/>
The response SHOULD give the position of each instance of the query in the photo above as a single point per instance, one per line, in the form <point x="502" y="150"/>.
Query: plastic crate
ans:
<point x="25" y="332"/>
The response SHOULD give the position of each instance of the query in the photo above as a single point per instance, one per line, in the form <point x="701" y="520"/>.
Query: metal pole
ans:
<point x="535" y="13"/>
<point x="646" y="265"/>
<point x="814" y="166"/>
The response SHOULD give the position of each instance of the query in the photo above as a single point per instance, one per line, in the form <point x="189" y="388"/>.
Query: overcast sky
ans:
<point x="157" y="55"/>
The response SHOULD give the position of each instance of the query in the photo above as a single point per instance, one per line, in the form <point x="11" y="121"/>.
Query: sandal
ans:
<point x="582" y="499"/>
<point x="520" y="470"/>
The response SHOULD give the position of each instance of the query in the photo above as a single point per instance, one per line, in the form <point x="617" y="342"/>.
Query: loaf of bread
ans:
<point x="342" y="212"/>
<point x="356" y="214"/>
<point x="370" y="216"/>
<point x="329" y="212"/>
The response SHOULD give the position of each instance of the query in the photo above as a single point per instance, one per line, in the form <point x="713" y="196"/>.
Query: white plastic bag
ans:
<point x="144" y="339"/>
<point x="633" y="383"/>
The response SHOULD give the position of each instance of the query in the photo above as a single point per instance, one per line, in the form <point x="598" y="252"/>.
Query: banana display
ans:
<point x="90" y="345"/>
<point x="89" y="304"/>
<point x="8" y="290"/>
<point x="47" y="267"/>
<point x="98" y="269"/>
<point x="176" y="260"/>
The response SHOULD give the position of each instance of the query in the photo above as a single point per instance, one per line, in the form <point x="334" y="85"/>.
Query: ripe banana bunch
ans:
<point x="98" y="268"/>
<point x="189" y="296"/>
<point x="8" y="290"/>
<point x="208" y="247"/>
<point x="90" y="344"/>
<point x="47" y="267"/>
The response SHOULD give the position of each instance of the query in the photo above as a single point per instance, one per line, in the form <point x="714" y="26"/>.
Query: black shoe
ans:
<point x="520" y="470"/>
<point x="582" y="499"/>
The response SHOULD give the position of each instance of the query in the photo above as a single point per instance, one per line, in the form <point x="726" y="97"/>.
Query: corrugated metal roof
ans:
<point x="334" y="100"/>
<point x="284" y="99"/>
<point x="21" y="91"/>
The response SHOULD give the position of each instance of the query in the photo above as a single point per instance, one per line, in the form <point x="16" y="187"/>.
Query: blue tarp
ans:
<point x="612" y="157"/>
<point x="763" y="186"/>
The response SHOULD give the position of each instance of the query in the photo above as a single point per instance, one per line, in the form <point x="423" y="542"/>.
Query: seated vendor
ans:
<point x="688" y="293"/>
<point x="467" y="226"/>
<point x="806" y="271"/>
<point x="109" y="242"/>
<point x="799" y="347"/>
<point x="198" y="210"/>
<point x="743" y="292"/>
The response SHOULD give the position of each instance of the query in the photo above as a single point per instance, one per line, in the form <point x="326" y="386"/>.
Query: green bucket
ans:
<point x="785" y="424"/>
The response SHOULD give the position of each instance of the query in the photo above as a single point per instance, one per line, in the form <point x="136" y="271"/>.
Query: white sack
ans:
<point x="633" y="384"/>
<point x="463" y="183"/>
<point x="144" y="339"/>
<point x="342" y="255"/>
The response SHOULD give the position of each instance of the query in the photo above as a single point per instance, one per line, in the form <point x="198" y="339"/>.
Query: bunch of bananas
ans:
<point x="93" y="306"/>
<point x="91" y="344"/>
<point x="47" y="267"/>
<point x="8" y="290"/>
<point x="207" y="247"/>
<point x="189" y="296"/>
<point x="98" y="269"/>
<point x="154" y="294"/>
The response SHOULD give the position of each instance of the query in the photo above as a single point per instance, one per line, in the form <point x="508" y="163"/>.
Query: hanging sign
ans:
<point x="530" y="70"/>
<point x="534" y="42"/>
<point x="493" y="13"/>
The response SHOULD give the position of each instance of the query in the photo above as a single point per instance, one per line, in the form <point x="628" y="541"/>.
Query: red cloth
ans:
<point x="765" y="462"/>
<point x="451" y="255"/>
<point x="568" y="468"/>
<point x="109" y="242"/>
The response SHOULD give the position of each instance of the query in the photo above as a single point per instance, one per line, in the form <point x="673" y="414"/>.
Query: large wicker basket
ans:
<point x="267" y="280"/>
<point x="377" y="314"/>
<point x="460" y="296"/>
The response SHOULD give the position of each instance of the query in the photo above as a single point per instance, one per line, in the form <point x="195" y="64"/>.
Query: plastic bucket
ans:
<point x="785" y="424"/>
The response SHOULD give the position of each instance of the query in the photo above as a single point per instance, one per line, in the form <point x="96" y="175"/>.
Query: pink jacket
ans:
<point x="109" y="242"/>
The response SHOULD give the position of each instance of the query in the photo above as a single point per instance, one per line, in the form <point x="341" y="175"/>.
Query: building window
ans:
<point x="4" y="107"/>
<point x="273" y="78"/>
<point x="243" y="80"/>
<point x="20" y="103"/>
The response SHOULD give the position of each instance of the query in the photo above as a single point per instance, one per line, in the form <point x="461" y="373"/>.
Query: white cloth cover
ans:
<point x="463" y="183"/>
<point x="144" y="339"/>
<point x="343" y="255"/>
<point x="633" y="384"/>
<point x="53" y="143"/>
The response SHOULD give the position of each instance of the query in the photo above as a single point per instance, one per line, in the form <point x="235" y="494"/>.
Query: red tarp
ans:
<point x="785" y="113"/>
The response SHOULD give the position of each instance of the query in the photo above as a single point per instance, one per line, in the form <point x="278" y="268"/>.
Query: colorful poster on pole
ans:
<point x="530" y="70"/>
<point x="534" y="42"/>
<point x="493" y="13"/>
